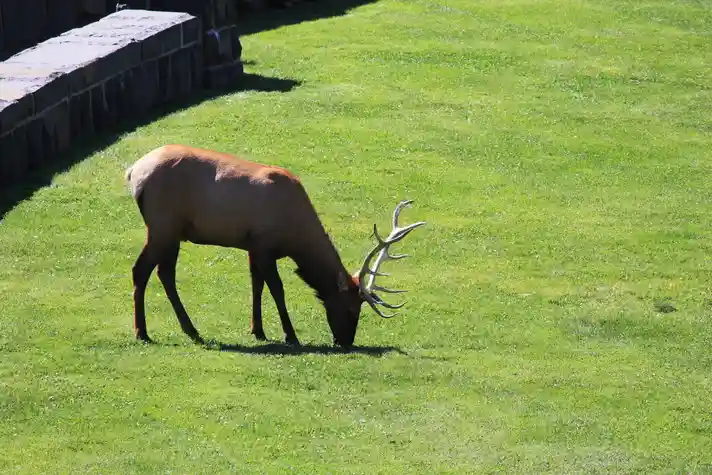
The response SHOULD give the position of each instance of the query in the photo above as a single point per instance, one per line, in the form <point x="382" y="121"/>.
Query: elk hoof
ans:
<point x="197" y="339"/>
<point x="292" y="340"/>
<point x="143" y="337"/>
<point x="259" y="335"/>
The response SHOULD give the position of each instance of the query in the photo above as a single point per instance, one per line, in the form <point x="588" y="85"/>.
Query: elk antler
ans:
<point x="367" y="289"/>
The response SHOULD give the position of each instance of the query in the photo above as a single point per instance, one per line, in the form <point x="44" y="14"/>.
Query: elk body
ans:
<point x="187" y="194"/>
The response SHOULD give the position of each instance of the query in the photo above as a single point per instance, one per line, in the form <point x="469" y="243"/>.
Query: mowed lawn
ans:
<point x="560" y="152"/>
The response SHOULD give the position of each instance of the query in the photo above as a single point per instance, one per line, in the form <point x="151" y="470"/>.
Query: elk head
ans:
<point x="361" y="287"/>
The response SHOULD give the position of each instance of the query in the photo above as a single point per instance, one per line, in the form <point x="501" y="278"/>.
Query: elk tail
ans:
<point x="127" y="175"/>
<point x="136" y="192"/>
<point x="134" y="188"/>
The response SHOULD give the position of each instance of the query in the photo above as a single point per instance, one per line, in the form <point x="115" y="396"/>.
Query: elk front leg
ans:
<point x="267" y="266"/>
<point x="167" y="275"/>
<point x="258" y="284"/>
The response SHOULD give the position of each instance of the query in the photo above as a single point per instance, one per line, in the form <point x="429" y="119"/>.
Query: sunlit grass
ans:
<point x="559" y="152"/>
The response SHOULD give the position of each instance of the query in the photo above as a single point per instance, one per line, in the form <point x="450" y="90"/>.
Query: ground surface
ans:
<point x="560" y="152"/>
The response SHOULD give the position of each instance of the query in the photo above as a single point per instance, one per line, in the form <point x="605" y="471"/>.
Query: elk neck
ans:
<point x="319" y="264"/>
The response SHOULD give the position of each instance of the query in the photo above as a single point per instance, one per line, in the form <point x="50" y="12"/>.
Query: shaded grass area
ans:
<point x="43" y="176"/>
<point x="559" y="152"/>
<point x="256" y="21"/>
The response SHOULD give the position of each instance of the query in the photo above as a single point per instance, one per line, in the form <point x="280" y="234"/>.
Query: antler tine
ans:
<point x="376" y="273"/>
<point x="382" y="302"/>
<point x="380" y="240"/>
<point x="396" y="257"/>
<point x="378" y="311"/>
<point x="374" y="299"/>
<point x="388" y="291"/>
<point x="396" y="212"/>
<point x="398" y="234"/>
<point x="381" y="248"/>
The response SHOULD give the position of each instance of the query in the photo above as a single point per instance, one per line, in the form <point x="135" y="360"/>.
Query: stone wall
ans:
<point x="222" y="48"/>
<point x="87" y="79"/>
<point x="24" y="23"/>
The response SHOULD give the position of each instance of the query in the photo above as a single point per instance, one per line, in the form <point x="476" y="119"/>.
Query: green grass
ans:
<point x="560" y="152"/>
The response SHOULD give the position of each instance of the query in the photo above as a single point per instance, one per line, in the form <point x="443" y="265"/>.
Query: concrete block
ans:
<point x="46" y="85"/>
<point x="39" y="143"/>
<point x="224" y="75"/>
<point x="14" y="160"/>
<point x="181" y="72"/>
<point x="88" y="56"/>
<point x="144" y="86"/>
<point x="14" y="109"/>
<point x="57" y="126"/>
<point x="192" y="31"/>
<point x="196" y="67"/>
<point x="162" y="42"/>
<point x="165" y="84"/>
<point x="81" y="119"/>
<point x="100" y="108"/>
<point x="221" y="45"/>
<point x="88" y="79"/>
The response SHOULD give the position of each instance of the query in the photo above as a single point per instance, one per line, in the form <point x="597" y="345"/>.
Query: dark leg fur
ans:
<point x="267" y="267"/>
<point x="141" y="271"/>
<point x="167" y="276"/>
<point x="258" y="284"/>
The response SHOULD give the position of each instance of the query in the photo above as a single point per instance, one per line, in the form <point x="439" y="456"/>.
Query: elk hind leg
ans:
<point x="141" y="272"/>
<point x="167" y="276"/>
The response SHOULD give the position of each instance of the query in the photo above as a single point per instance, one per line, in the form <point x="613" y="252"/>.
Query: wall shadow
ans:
<point x="288" y="350"/>
<point x="14" y="194"/>
<point x="254" y="21"/>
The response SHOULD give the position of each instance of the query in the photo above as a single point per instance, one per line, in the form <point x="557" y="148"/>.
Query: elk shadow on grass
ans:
<point x="37" y="179"/>
<point x="283" y="349"/>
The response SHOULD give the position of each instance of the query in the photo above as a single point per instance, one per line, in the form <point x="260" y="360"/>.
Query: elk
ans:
<point x="188" y="194"/>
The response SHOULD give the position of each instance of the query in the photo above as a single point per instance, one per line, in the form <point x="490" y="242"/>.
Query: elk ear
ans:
<point x="343" y="282"/>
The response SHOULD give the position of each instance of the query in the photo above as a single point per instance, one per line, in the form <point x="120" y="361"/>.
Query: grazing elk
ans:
<point x="206" y="197"/>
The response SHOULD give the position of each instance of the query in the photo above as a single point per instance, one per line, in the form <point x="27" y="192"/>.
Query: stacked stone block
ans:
<point x="88" y="79"/>
<point x="222" y="49"/>
<point x="222" y="53"/>
<point x="23" y="23"/>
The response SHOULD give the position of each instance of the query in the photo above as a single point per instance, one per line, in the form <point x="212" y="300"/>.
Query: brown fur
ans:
<point x="206" y="197"/>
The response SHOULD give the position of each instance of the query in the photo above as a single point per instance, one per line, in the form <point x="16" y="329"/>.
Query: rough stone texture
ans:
<point x="220" y="37"/>
<point x="24" y="23"/>
<point x="88" y="79"/>
<point x="221" y="46"/>
<point x="223" y="75"/>
<point x="214" y="13"/>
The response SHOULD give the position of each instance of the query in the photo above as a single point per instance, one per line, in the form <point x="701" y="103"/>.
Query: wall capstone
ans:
<point x="88" y="79"/>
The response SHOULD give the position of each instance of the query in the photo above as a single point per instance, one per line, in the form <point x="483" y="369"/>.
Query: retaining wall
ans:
<point x="24" y="23"/>
<point x="89" y="78"/>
